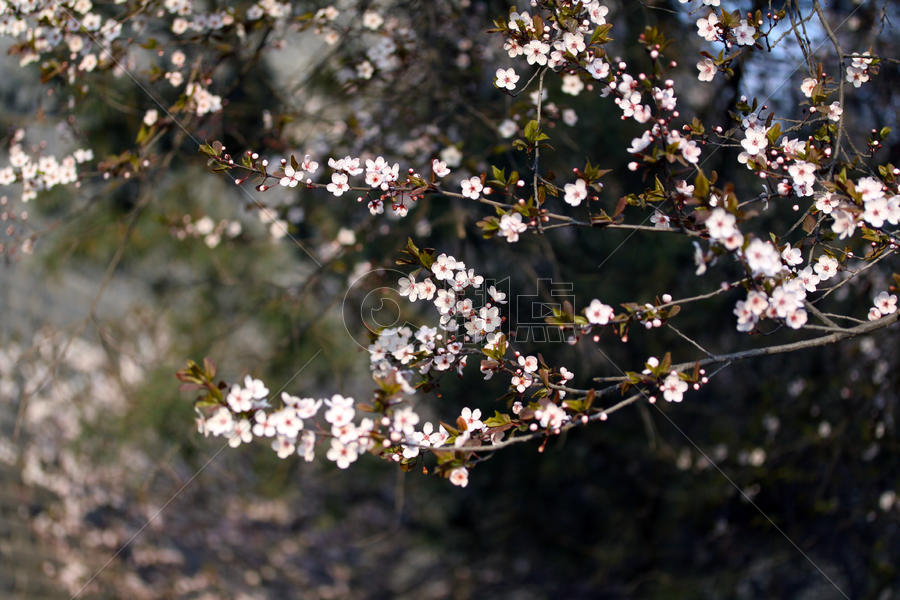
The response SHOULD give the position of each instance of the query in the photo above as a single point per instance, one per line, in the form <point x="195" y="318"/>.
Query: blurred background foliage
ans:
<point x="97" y="438"/>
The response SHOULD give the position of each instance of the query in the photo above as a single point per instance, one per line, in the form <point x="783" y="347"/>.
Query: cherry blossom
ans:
<point x="459" y="477"/>
<point x="472" y="187"/>
<point x="845" y="223"/>
<point x="220" y="423"/>
<point x="552" y="416"/>
<point x="240" y="399"/>
<point x="690" y="150"/>
<point x="444" y="267"/>
<point x="338" y="184"/>
<point x="472" y="418"/>
<point x="426" y="289"/>
<point x="506" y="79"/>
<point x="536" y="52"/>
<point x="521" y="382"/>
<point x="496" y="295"/>
<point x="791" y="256"/>
<point x="241" y="434"/>
<point x="808" y="85"/>
<point x="291" y="177"/>
<point x="150" y="117"/>
<point x="827" y="202"/>
<point x="876" y="212"/>
<point x="743" y="34"/>
<point x="405" y="420"/>
<point x="835" y="111"/>
<point x="488" y="318"/>
<point x="720" y="224"/>
<point x="572" y="85"/>
<point x="763" y="258"/>
<point x="343" y="455"/>
<point x="826" y="267"/>
<point x="755" y="140"/>
<point x="639" y="144"/>
<point x="507" y="128"/>
<point x="528" y="363"/>
<point x="757" y="302"/>
<point x="283" y="446"/>
<point x="597" y="12"/>
<point x="575" y="192"/>
<point x="287" y="422"/>
<point x="673" y="388"/>
<point x="660" y="220"/>
<point x="746" y="318"/>
<point x="340" y="410"/>
<point x="707" y="70"/>
<point x="809" y="279"/>
<point x="886" y="303"/>
<point x="372" y="20"/>
<point x="598" y="68"/>
<point x="511" y="226"/>
<point x="309" y="165"/>
<point x="451" y="156"/>
<point x="708" y="27"/>
<point x="599" y="313"/>
<point x="264" y="426"/>
<point x="439" y="168"/>
<point x="857" y="76"/>
<point x="803" y="173"/>
<point x="796" y="319"/>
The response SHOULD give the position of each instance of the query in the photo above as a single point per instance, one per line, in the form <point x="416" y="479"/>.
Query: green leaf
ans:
<point x="207" y="150"/>
<point x="532" y="130"/>
<point x="143" y="134"/>
<point x="209" y="367"/>
<point x="666" y="363"/>
<point x="701" y="186"/>
<point x="697" y="126"/>
<point x="773" y="133"/>
<point x="498" y="420"/>
<point x="589" y="398"/>
<point x="600" y="34"/>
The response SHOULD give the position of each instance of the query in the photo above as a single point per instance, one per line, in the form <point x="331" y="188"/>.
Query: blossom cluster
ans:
<point x="730" y="29"/>
<point x="772" y="270"/>
<point x="884" y="304"/>
<point x="858" y="69"/>
<point x="880" y="205"/>
<point x="35" y="170"/>
<point x="465" y="328"/>
<point x="72" y="27"/>
<point x="207" y="229"/>
<point x="460" y="320"/>
<point x="566" y="42"/>
<point x="202" y="100"/>
<point x="401" y="360"/>
<point x="83" y="38"/>
<point x="575" y="45"/>
<point x="295" y="426"/>
<point x="39" y="172"/>
<point x="382" y="180"/>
